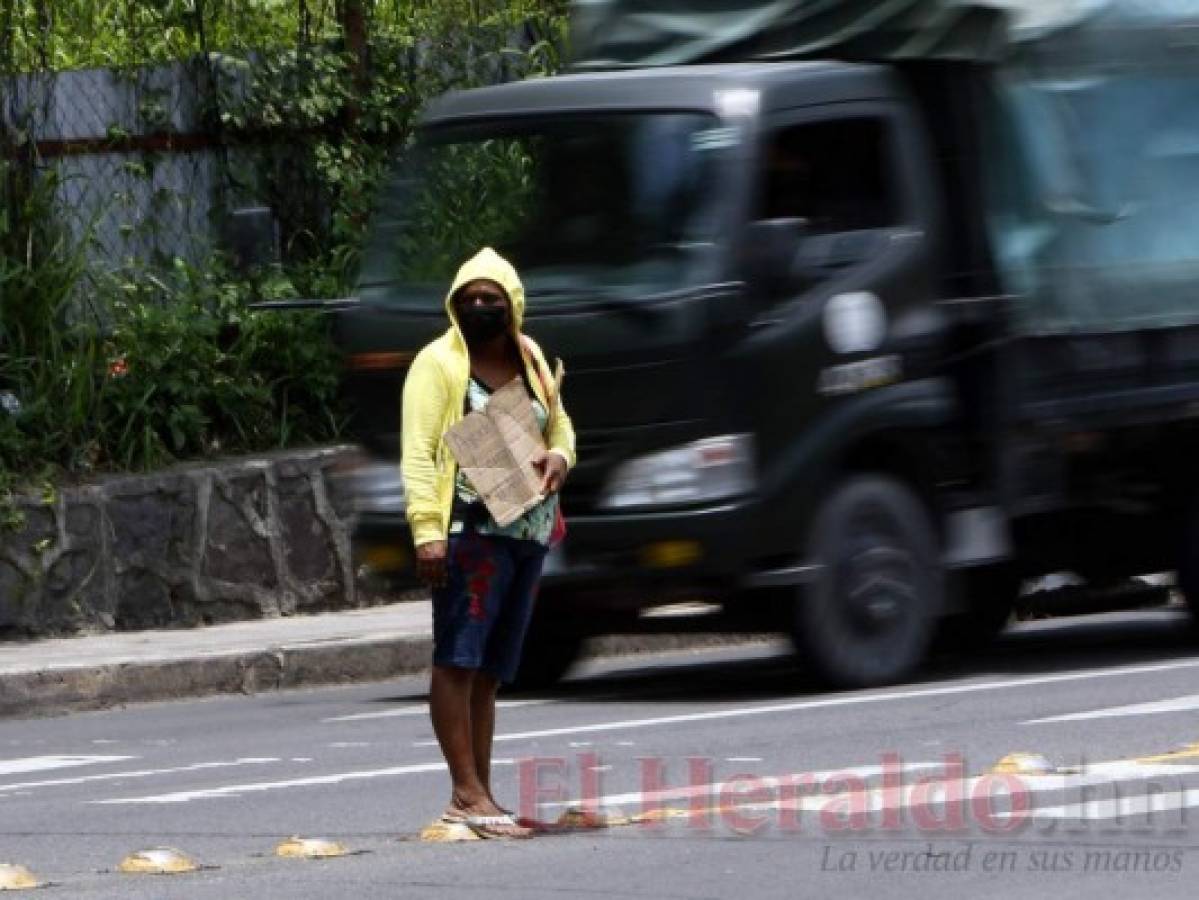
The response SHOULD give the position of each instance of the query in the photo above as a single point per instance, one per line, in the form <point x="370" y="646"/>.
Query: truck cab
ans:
<point x="848" y="354"/>
<point x="737" y="264"/>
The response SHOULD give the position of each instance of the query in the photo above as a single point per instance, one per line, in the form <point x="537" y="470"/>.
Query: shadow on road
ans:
<point x="1028" y="649"/>
<point x="769" y="671"/>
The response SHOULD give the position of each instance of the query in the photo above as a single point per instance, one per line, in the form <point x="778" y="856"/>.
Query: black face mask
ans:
<point x="480" y="324"/>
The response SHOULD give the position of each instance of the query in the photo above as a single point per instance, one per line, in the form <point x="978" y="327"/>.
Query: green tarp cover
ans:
<point x="1094" y="169"/>
<point x="669" y="32"/>
<point x="1091" y="147"/>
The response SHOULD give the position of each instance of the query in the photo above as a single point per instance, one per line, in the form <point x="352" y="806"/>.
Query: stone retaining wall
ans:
<point x="243" y="539"/>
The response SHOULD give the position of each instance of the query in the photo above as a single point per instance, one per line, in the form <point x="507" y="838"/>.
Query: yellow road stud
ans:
<point x="17" y="878"/>
<point x="1023" y="764"/>
<point x="447" y="833"/>
<point x="158" y="861"/>
<point x="310" y="848"/>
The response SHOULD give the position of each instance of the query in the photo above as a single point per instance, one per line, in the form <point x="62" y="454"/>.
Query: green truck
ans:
<point x="870" y="311"/>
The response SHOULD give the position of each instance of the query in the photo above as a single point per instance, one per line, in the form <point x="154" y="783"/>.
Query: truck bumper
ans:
<point x="650" y="555"/>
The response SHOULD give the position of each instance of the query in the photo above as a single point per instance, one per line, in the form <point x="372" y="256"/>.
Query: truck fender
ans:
<point x="797" y="478"/>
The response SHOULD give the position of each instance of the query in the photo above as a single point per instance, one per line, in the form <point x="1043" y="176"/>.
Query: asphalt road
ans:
<point x="830" y="804"/>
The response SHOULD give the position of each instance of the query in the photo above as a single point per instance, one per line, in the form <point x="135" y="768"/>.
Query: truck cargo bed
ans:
<point x="1105" y="380"/>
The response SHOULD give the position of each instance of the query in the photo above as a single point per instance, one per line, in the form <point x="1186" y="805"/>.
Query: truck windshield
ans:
<point x="579" y="204"/>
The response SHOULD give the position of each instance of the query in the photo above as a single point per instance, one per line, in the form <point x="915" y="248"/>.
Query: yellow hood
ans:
<point x="434" y="395"/>
<point x="489" y="265"/>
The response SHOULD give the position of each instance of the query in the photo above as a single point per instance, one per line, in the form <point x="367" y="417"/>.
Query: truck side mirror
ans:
<point x="769" y="253"/>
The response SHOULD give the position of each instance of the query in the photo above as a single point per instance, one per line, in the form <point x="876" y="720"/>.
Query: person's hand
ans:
<point x="430" y="563"/>
<point x="552" y="469"/>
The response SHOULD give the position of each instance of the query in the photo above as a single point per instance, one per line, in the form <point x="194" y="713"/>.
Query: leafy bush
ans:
<point x="134" y="370"/>
<point x="140" y="362"/>
<point x="188" y="373"/>
<point x="185" y="379"/>
<point x="47" y="365"/>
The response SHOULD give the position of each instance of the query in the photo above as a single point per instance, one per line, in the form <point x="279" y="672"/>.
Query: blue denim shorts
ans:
<point x="482" y="614"/>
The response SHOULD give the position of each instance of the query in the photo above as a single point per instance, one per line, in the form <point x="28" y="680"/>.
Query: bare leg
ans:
<point x="449" y="708"/>
<point x="451" y="692"/>
<point x="482" y="722"/>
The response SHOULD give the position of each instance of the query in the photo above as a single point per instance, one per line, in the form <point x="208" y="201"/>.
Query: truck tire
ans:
<point x="551" y="647"/>
<point x="868" y="617"/>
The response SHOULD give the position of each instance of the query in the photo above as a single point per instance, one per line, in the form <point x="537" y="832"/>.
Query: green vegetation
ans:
<point x="471" y="195"/>
<point x="137" y="362"/>
<point x="78" y="34"/>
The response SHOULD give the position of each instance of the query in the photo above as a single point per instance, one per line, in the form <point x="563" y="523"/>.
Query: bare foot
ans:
<point x="496" y="804"/>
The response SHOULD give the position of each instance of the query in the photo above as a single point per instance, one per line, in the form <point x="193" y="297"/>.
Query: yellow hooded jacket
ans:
<point x="435" y="392"/>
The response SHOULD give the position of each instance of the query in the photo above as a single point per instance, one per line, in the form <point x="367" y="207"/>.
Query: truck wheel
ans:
<point x="550" y="649"/>
<point x="869" y="616"/>
<point x="989" y="596"/>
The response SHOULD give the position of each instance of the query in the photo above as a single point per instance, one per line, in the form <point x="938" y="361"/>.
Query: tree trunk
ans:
<point x="353" y="27"/>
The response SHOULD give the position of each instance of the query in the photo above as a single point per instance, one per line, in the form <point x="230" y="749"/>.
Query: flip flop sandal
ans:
<point x="486" y="826"/>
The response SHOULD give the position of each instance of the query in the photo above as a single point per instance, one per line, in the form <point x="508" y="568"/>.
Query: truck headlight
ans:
<point x="709" y="469"/>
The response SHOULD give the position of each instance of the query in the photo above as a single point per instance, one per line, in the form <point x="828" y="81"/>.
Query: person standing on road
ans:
<point x="483" y="576"/>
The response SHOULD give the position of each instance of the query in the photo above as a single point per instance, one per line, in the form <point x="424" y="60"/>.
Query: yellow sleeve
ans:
<point x="562" y="433"/>
<point x="424" y="403"/>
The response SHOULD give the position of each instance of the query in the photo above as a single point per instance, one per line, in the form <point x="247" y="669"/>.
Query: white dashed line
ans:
<point x="144" y="773"/>
<point x="844" y="700"/>
<point x="236" y="790"/>
<point x="422" y="709"/>
<point x="47" y="763"/>
<point x="1177" y="704"/>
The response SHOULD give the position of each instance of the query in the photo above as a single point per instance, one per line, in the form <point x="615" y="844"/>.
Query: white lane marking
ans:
<point x="1119" y="769"/>
<point x="743" y="759"/>
<point x="809" y="791"/>
<point x="423" y="710"/>
<point x="236" y="790"/>
<point x="1177" y="704"/>
<point x="46" y="763"/>
<point x="144" y="773"/>
<point x="1124" y="772"/>
<point x="1148" y="804"/>
<point x="714" y="788"/>
<point x="851" y="700"/>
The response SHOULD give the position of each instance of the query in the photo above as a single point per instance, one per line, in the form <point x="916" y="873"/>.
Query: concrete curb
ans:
<point x="63" y="689"/>
<point x="77" y="688"/>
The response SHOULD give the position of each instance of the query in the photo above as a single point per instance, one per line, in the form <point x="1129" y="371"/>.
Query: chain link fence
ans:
<point x="148" y="165"/>
<point x="136" y="172"/>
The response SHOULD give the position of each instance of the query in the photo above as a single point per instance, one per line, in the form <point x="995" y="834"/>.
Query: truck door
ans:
<point x="854" y="179"/>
